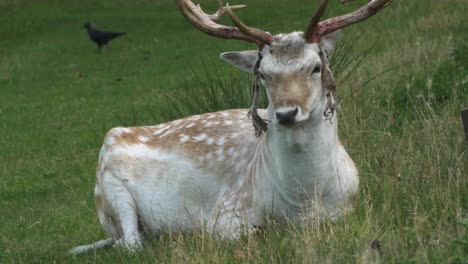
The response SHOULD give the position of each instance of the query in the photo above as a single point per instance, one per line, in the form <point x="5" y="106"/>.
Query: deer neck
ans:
<point x="296" y="163"/>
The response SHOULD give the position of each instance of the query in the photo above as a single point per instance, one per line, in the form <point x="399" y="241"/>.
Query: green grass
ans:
<point x="399" y="119"/>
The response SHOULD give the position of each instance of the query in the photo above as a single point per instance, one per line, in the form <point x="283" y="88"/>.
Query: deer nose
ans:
<point x="286" y="116"/>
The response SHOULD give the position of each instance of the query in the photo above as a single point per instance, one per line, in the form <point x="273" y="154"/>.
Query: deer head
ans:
<point x="293" y="67"/>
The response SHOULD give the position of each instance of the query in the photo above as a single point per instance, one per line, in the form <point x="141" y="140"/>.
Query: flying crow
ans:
<point x="101" y="38"/>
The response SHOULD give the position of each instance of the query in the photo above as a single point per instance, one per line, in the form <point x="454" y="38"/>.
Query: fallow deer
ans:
<point x="224" y="172"/>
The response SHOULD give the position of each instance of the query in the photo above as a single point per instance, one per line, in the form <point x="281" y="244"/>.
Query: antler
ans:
<point x="206" y="23"/>
<point x="315" y="30"/>
<point x="308" y="33"/>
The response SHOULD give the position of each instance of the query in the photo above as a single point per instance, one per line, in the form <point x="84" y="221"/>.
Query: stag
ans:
<point x="227" y="172"/>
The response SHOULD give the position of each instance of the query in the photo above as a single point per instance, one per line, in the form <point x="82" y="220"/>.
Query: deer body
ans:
<point x="213" y="172"/>
<point x="177" y="186"/>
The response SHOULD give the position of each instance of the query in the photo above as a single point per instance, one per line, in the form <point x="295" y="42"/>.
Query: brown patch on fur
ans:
<point x="290" y="90"/>
<point x="205" y="139"/>
<point x="126" y="136"/>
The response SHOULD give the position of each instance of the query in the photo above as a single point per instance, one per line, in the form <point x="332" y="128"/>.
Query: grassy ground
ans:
<point x="399" y="119"/>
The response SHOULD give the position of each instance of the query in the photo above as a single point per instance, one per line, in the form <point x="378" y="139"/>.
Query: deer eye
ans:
<point x="316" y="69"/>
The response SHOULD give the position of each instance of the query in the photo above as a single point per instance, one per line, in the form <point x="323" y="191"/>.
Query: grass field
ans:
<point x="399" y="120"/>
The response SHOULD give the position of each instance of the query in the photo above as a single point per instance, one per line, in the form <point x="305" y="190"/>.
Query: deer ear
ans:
<point x="244" y="60"/>
<point x="327" y="43"/>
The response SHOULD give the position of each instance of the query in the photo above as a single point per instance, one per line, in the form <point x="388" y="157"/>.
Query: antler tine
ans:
<point x="260" y="35"/>
<point x="205" y="23"/>
<point x="315" y="20"/>
<point x="333" y="24"/>
<point x="222" y="10"/>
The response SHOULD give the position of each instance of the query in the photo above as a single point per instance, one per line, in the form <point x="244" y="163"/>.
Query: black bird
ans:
<point x="101" y="38"/>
